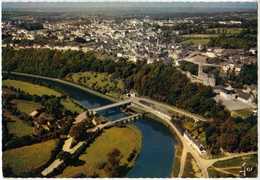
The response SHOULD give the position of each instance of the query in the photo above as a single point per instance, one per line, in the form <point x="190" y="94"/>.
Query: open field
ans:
<point x="243" y="113"/>
<point x="26" y="106"/>
<point x="18" y="128"/>
<point x="226" y="30"/>
<point x="250" y="159"/>
<point x="101" y="82"/>
<point x="191" y="168"/>
<point x="124" y="139"/>
<point x="196" y="41"/>
<point x="70" y="105"/>
<point x="32" y="89"/>
<point x="199" y="35"/>
<point x="213" y="173"/>
<point x="27" y="158"/>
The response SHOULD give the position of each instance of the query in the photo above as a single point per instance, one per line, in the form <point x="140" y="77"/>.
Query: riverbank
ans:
<point x="178" y="146"/>
<point x="128" y="140"/>
<point x="68" y="83"/>
<point x="153" y="137"/>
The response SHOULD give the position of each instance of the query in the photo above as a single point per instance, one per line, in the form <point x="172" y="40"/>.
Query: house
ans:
<point x="244" y="97"/>
<point x="207" y="79"/>
<point x="224" y="92"/>
<point x="253" y="51"/>
<point x="34" y="113"/>
<point x="195" y="143"/>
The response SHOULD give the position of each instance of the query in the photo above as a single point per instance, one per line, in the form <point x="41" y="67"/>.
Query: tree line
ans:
<point x="158" y="81"/>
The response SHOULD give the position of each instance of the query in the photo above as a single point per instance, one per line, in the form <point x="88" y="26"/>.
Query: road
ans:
<point x="202" y="162"/>
<point x="167" y="119"/>
<point x="171" y="108"/>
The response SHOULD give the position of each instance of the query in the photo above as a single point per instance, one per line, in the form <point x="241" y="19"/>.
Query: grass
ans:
<point x="213" y="173"/>
<point x="249" y="159"/>
<point x="178" y="152"/>
<point x="228" y="30"/>
<point x="70" y="105"/>
<point x="199" y="35"/>
<point x="196" y="41"/>
<point x="32" y="89"/>
<point x="27" y="158"/>
<point x="124" y="139"/>
<point x="26" y="106"/>
<point x="188" y="169"/>
<point x="101" y="82"/>
<point x="18" y="128"/>
<point x="234" y="170"/>
<point x="243" y="113"/>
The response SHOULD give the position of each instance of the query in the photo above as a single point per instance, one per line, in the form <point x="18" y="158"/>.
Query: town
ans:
<point x="196" y="73"/>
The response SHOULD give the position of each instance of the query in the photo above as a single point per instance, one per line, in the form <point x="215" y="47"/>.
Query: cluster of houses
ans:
<point x="44" y="122"/>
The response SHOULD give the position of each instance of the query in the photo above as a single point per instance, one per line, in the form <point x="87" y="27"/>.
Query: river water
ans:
<point x="157" y="153"/>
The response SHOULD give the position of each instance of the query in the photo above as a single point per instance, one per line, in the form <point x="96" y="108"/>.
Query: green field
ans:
<point x="196" y="41"/>
<point x="26" y="106"/>
<point x="18" y="127"/>
<point x="199" y="35"/>
<point x="213" y="173"/>
<point x="27" y="158"/>
<point x="70" y="105"/>
<point x="226" y="30"/>
<point x="249" y="159"/>
<point x="32" y="89"/>
<point x="124" y="139"/>
<point x="243" y="113"/>
<point x="101" y="82"/>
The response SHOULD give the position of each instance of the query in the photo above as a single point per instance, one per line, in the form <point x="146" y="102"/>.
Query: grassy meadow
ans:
<point x="27" y="158"/>
<point x="32" y="89"/>
<point x="124" y="139"/>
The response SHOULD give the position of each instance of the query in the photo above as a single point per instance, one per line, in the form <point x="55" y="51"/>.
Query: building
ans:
<point x="195" y="144"/>
<point x="226" y="93"/>
<point x="244" y="97"/>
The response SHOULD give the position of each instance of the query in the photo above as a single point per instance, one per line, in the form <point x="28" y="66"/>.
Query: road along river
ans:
<point x="157" y="153"/>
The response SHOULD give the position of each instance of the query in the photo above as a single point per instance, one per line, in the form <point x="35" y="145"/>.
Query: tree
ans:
<point x="53" y="106"/>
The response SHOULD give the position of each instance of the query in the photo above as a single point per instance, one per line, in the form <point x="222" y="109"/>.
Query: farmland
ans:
<point x="27" y="158"/>
<point x="34" y="89"/>
<point x="124" y="139"/>
<point x="18" y="127"/>
<point x="26" y="106"/>
<point x="30" y="88"/>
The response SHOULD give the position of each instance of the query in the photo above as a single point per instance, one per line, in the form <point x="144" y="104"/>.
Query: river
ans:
<point x="157" y="153"/>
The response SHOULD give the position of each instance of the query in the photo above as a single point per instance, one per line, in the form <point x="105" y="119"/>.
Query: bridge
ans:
<point x="118" y="104"/>
<point x="140" y="102"/>
<point x="121" y="121"/>
<point x="84" y="115"/>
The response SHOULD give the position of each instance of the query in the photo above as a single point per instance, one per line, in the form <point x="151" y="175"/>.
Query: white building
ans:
<point x="195" y="144"/>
